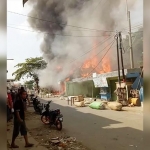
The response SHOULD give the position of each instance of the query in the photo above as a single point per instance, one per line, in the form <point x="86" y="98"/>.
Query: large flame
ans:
<point x="63" y="87"/>
<point x="91" y="65"/>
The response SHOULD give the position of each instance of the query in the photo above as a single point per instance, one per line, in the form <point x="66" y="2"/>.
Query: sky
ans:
<point x="23" y="44"/>
<point x="20" y="44"/>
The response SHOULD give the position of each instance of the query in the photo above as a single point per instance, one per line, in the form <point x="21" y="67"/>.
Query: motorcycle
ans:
<point x="52" y="117"/>
<point x="38" y="107"/>
<point x="31" y="98"/>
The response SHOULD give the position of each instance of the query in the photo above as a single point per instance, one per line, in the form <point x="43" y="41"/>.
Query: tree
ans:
<point x="29" y="69"/>
<point x="137" y="48"/>
<point x="29" y="84"/>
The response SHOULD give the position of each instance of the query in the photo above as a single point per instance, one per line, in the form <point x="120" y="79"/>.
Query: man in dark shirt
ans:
<point x="19" y="121"/>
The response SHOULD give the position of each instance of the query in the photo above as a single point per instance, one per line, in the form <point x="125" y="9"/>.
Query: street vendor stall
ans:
<point x="101" y="82"/>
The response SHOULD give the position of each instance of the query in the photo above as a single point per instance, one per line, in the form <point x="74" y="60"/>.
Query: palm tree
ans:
<point x="28" y="69"/>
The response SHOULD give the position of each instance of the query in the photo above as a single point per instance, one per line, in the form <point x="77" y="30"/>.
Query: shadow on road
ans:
<point x="96" y="131"/>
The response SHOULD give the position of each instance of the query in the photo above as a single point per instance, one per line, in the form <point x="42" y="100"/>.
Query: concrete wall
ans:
<point x="83" y="88"/>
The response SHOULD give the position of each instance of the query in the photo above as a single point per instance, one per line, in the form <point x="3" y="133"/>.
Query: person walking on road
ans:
<point x="19" y="121"/>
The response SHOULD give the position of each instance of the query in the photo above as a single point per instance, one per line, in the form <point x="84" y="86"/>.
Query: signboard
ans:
<point x="100" y="82"/>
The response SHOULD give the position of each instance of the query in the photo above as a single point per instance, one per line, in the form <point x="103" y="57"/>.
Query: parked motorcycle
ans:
<point x="52" y="117"/>
<point x="38" y="107"/>
<point x="31" y="98"/>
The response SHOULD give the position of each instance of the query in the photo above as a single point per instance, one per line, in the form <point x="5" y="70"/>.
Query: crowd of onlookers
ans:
<point x="16" y="107"/>
<point x="12" y="96"/>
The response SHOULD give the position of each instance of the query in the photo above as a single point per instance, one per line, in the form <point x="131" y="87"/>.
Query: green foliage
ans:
<point x="29" y="67"/>
<point x="29" y="84"/>
<point x="137" y="40"/>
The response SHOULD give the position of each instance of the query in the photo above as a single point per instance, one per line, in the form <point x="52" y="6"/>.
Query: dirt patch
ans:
<point x="51" y="138"/>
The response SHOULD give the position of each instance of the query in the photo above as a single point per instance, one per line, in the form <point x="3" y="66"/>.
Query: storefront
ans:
<point x="100" y="85"/>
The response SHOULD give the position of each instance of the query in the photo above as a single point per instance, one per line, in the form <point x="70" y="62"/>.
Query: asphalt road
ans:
<point x="102" y="129"/>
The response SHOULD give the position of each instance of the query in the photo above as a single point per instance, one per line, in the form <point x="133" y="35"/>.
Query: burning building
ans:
<point x="69" y="29"/>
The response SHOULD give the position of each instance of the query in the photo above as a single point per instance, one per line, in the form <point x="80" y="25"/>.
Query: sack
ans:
<point x="79" y="104"/>
<point x="88" y="100"/>
<point x="115" y="106"/>
<point x="97" y="105"/>
<point x="80" y="98"/>
<point x="62" y="98"/>
<point x="135" y="101"/>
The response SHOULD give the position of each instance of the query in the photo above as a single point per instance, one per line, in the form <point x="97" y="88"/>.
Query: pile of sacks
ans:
<point x="134" y="102"/>
<point x="79" y="102"/>
<point x="115" y="106"/>
<point x="97" y="105"/>
<point x="101" y="105"/>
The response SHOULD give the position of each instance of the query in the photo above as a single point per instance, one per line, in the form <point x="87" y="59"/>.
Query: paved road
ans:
<point x="102" y="129"/>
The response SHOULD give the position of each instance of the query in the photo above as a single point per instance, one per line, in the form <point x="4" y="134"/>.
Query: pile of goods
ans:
<point x="88" y="101"/>
<point x="115" y="106"/>
<point x="97" y="105"/>
<point x="134" y="100"/>
<point x="79" y="102"/>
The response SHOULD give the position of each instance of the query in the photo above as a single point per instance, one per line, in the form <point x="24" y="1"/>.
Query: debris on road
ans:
<point x="63" y="143"/>
<point x="50" y="137"/>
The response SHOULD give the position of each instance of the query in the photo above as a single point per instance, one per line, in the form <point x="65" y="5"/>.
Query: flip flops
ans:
<point x="29" y="145"/>
<point x="14" y="146"/>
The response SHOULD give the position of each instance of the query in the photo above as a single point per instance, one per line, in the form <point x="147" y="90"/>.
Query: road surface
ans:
<point x="102" y="129"/>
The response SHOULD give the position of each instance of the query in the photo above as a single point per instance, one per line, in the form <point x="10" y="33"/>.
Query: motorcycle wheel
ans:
<point x="45" y="119"/>
<point x="59" y="125"/>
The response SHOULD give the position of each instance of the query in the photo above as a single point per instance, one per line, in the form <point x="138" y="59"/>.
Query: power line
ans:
<point x="99" y="52"/>
<point x="133" y="27"/>
<point x="59" y="23"/>
<point x="100" y="60"/>
<point x="139" y="23"/>
<point x="100" y="43"/>
<point x="43" y="28"/>
<point x="54" y="34"/>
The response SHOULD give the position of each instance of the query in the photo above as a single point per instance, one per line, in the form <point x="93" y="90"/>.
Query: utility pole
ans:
<point x="118" y="59"/>
<point x="120" y="38"/>
<point x="130" y="37"/>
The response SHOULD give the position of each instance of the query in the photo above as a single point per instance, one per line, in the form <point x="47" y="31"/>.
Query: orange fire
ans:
<point x="63" y="87"/>
<point x="90" y="65"/>
<point x="67" y="79"/>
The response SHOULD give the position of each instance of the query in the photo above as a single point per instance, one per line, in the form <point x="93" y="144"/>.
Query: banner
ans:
<point x="100" y="82"/>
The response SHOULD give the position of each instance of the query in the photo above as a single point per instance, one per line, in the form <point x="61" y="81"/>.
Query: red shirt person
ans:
<point x="9" y="99"/>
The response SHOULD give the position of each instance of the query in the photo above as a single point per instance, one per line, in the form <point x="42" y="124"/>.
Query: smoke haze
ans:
<point x="62" y="45"/>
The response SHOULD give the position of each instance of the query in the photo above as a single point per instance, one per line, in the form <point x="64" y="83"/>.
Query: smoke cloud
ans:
<point x="62" y="45"/>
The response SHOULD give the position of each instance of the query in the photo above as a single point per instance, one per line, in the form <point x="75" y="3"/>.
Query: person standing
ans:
<point x="9" y="106"/>
<point x="8" y="112"/>
<point x="19" y="121"/>
<point x="25" y="100"/>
